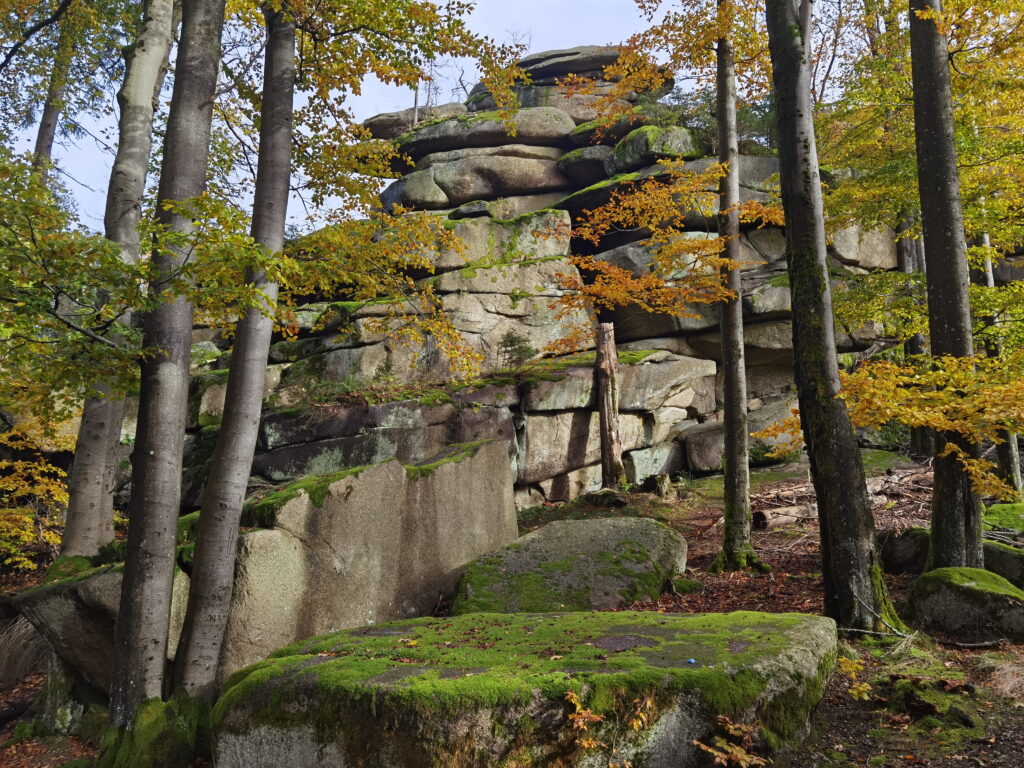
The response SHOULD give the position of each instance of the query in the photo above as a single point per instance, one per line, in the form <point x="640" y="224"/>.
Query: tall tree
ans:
<point x="956" y="509"/>
<point x="854" y="591"/>
<point x="90" y="509"/>
<point x="737" y="548"/>
<point x="144" y="617"/>
<point x="213" y="567"/>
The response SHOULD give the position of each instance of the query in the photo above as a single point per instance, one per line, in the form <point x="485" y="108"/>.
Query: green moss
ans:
<point x="965" y="578"/>
<point x="454" y="454"/>
<point x="621" y="178"/>
<point x="503" y="662"/>
<point x="262" y="512"/>
<point x="779" y="281"/>
<point x="188" y="525"/>
<point x="162" y="735"/>
<point x="66" y="567"/>
<point x="1006" y="516"/>
<point x="686" y="586"/>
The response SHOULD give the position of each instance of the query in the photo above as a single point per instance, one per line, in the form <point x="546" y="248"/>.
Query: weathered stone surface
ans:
<point x="415" y="190"/>
<point x="646" y="385"/>
<point x="662" y="459"/>
<point x="671" y="423"/>
<point x="357" y="440"/>
<point x="513" y="151"/>
<point x="637" y="257"/>
<point x="371" y="697"/>
<point x="765" y="381"/>
<point x="569" y="485"/>
<point x="580" y="60"/>
<point x="515" y="278"/>
<point x="768" y="343"/>
<point x="542" y="126"/>
<point x="756" y="171"/>
<point x="390" y="125"/>
<point x="574" y="565"/>
<point x="557" y="443"/>
<point x="543" y="235"/>
<point x="967" y="603"/>
<point x="581" y="107"/>
<point x="705" y="445"/>
<point x="586" y="165"/>
<point x="767" y="302"/>
<point x="865" y="251"/>
<point x="645" y="146"/>
<point x="513" y="206"/>
<point x="384" y="544"/>
<point x="446" y="179"/>
<point x="77" y="617"/>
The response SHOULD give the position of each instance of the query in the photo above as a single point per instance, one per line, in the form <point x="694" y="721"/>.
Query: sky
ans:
<point x="544" y="24"/>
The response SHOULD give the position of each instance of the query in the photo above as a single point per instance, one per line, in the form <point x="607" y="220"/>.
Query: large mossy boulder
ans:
<point x="574" y="565"/>
<point x="484" y="690"/>
<point x="967" y="603"/>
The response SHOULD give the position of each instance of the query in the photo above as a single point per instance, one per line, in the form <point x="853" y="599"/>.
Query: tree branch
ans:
<point x="40" y="25"/>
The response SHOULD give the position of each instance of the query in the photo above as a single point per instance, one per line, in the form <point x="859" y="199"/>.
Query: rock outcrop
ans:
<point x="511" y="192"/>
<point x="575" y="565"/>
<point x="483" y="690"/>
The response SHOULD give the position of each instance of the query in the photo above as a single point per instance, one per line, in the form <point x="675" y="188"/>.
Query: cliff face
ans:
<point x="513" y="200"/>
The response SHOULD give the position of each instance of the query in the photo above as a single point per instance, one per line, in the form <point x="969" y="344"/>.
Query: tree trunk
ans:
<point x="922" y="439"/>
<point x="90" y="507"/>
<point x="90" y="519"/>
<point x="612" y="473"/>
<point x="214" y="564"/>
<point x="46" y="133"/>
<point x="956" y="509"/>
<point x="854" y="591"/>
<point x="141" y="636"/>
<point x="737" y="550"/>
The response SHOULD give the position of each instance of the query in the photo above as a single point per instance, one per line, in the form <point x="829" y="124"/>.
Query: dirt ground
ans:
<point x="917" y="702"/>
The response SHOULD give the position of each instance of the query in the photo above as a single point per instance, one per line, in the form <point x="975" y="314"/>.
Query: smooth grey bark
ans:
<point x="854" y="591"/>
<point x="213" y="568"/>
<point x="956" y="509"/>
<point x="141" y="636"/>
<point x="46" y="133"/>
<point x="612" y="472"/>
<point x="736" y="540"/>
<point x="91" y="502"/>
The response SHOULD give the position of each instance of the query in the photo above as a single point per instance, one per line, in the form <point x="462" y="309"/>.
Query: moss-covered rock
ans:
<point x="163" y="734"/>
<point x="493" y="690"/>
<point x="575" y="565"/>
<point x="1008" y="517"/>
<point x="967" y="602"/>
<point x="649" y="144"/>
<point x="907" y="552"/>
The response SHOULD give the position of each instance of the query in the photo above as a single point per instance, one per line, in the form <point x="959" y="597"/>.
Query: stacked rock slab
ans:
<point x="512" y="197"/>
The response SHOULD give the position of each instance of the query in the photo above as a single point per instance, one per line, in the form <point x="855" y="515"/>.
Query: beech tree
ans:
<point x="956" y="508"/>
<point x="214" y="563"/>
<point x="90" y="508"/>
<point x="855" y="595"/>
<point x="144" y="615"/>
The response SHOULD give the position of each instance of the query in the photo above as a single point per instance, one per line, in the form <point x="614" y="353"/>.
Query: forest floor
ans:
<point x="926" y="704"/>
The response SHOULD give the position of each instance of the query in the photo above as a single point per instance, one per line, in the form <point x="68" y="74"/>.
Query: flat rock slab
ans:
<point x="967" y="603"/>
<point x="576" y="565"/>
<point x="483" y="690"/>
